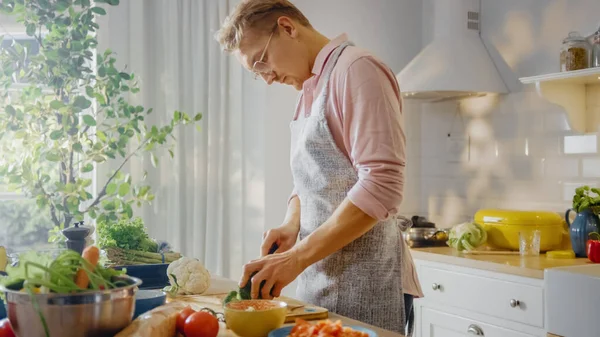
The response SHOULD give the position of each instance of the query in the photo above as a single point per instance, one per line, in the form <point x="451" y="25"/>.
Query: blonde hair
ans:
<point x="260" y="15"/>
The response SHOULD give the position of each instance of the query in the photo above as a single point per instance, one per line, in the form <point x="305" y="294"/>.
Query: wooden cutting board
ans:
<point x="296" y="309"/>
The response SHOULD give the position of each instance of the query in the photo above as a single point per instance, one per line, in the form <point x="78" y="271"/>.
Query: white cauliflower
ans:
<point x="187" y="277"/>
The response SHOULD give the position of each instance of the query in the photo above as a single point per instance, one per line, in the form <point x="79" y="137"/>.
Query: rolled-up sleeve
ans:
<point x="374" y="137"/>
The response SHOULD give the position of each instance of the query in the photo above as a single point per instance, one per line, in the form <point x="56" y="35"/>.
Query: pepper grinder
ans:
<point x="76" y="237"/>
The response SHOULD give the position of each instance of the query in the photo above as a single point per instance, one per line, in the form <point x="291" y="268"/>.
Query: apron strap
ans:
<point x="322" y="99"/>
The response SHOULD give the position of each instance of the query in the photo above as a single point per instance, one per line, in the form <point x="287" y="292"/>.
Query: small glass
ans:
<point x="575" y="53"/>
<point x="529" y="243"/>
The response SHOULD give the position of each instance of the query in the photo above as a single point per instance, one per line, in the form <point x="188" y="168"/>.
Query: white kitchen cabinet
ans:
<point x="439" y="324"/>
<point x="461" y="301"/>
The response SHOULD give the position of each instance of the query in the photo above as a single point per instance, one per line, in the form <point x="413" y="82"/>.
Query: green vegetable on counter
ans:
<point x="126" y="234"/>
<point x="467" y="236"/>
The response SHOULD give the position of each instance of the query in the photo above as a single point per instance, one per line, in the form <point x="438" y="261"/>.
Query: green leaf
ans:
<point x="53" y="156"/>
<point x="171" y="153"/>
<point x="101" y="71"/>
<point x="56" y="104"/>
<point x="153" y="159"/>
<point x="56" y="134"/>
<point x="124" y="189"/>
<point x="87" y="168"/>
<point x="10" y="110"/>
<point x="125" y="76"/>
<point x="101" y="135"/>
<point x="99" y="158"/>
<point x="111" y="188"/>
<point x="89" y="91"/>
<point x="176" y="116"/>
<point x="77" y="147"/>
<point x="30" y="29"/>
<point x="198" y="117"/>
<point x="82" y="102"/>
<point x="89" y="120"/>
<point x="99" y="10"/>
<point x="113" y="2"/>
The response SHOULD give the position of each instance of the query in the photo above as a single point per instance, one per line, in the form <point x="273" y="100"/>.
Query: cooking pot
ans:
<point x="426" y="237"/>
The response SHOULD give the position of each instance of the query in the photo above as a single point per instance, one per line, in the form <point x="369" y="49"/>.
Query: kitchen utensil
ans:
<point x="242" y="317"/>
<point x="76" y="236"/>
<point x="529" y="242"/>
<point x="585" y="223"/>
<point x="87" y="314"/>
<point x="426" y="237"/>
<point x="421" y="222"/>
<point x="148" y="299"/>
<point x="503" y="227"/>
<point x="285" y="331"/>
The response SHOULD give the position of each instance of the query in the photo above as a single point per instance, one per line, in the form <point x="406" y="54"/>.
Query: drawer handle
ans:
<point x="475" y="330"/>
<point x="514" y="303"/>
<point x="436" y="286"/>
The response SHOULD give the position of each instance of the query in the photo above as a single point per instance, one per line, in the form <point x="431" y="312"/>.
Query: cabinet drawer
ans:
<point x="503" y="299"/>
<point x="440" y="324"/>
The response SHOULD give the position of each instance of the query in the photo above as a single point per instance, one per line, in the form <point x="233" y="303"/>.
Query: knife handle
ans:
<point x="273" y="248"/>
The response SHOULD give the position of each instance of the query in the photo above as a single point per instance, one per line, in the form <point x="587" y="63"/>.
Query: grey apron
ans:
<point x="363" y="280"/>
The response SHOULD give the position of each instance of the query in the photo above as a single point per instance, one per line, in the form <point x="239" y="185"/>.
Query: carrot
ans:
<point x="91" y="255"/>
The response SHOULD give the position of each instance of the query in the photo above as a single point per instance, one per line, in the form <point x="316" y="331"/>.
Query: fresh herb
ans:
<point x="126" y="234"/>
<point x="587" y="197"/>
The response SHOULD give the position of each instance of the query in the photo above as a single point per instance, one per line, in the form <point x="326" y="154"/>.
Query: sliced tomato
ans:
<point x="201" y="324"/>
<point x="181" y="317"/>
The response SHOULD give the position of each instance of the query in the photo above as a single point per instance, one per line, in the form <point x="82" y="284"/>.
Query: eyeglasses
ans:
<point x="260" y="68"/>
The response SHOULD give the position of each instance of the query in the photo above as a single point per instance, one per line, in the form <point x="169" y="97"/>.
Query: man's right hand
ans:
<point x="284" y="236"/>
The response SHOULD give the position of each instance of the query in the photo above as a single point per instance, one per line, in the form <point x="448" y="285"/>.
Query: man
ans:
<point x="347" y="160"/>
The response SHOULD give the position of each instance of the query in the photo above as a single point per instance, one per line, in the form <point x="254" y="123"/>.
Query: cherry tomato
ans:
<point x="201" y="324"/>
<point x="6" y="329"/>
<point x="181" y="317"/>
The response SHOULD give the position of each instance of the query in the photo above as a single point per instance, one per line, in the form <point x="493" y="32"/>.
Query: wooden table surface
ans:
<point x="221" y="285"/>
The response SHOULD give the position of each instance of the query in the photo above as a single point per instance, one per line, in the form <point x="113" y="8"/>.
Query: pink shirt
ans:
<point x="364" y="114"/>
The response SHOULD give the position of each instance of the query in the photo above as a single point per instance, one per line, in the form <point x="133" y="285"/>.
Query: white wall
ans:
<point x="520" y="157"/>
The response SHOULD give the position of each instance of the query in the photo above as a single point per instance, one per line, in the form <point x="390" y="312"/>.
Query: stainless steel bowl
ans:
<point x="426" y="237"/>
<point x="87" y="314"/>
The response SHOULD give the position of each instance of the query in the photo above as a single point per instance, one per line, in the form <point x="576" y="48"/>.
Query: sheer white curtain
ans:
<point x="210" y="198"/>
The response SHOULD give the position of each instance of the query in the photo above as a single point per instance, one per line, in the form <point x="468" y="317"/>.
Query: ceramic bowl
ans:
<point x="147" y="299"/>
<point x="255" y="318"/>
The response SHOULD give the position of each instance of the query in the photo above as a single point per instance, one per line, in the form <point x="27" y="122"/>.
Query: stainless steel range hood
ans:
<point x="456" y="64"/>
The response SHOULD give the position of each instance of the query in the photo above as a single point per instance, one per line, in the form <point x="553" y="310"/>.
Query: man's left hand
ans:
<point x="277" y="270"/>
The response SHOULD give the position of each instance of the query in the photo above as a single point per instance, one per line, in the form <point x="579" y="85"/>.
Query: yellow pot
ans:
<point x="255" y="318"/>
<point x="503" y="227"/>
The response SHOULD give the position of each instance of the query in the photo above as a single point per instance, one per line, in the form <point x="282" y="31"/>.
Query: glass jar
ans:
<point x="575" y="53"/>
<point x="594" y="41"/>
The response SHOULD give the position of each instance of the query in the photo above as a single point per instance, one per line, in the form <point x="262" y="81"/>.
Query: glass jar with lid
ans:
<point x="575" y="53"/>
<point x="594" y="41"/>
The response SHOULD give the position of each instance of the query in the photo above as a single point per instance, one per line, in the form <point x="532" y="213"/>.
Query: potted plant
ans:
<point x="66" y="110"/>
<point x="586" y="202"/>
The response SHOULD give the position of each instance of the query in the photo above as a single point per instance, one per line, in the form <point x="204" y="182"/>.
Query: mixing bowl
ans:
<point x="255" y="318"/>
<point x="87" y="314"/>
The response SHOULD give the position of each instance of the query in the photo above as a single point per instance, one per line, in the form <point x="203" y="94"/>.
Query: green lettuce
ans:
<point x="467" y="236"/>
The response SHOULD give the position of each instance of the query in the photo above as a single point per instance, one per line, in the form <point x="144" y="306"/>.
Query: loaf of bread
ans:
<point x="159" y="322"/>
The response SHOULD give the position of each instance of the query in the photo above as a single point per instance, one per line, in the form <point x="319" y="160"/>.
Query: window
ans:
<point x="22" y="223"/>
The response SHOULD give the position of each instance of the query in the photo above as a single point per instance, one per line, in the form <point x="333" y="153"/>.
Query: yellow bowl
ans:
<point x="255" y="318"/>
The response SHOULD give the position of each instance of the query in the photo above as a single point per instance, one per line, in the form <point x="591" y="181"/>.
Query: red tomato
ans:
<point x="201" y="324"/>
<point x="5" y="329"/>
<point x="181" y="317"/>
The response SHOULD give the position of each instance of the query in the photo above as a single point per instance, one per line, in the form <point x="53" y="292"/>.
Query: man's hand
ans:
<point x="284" y="236"/>
<point x="277" y="270"/>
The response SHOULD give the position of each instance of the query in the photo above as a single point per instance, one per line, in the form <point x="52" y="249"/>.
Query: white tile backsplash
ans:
<point x="590" y="167"/>
<point x="522" y="155"/>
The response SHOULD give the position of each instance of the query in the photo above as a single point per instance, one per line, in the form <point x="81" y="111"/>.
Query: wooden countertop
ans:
<point x="212" y="299"/>
<point x="530" y="266"/>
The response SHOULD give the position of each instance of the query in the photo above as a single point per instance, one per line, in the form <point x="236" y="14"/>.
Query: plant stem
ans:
<point x="103" y="191"/>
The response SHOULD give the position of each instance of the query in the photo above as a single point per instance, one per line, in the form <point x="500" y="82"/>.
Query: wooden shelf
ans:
<point x="578" y="92"/>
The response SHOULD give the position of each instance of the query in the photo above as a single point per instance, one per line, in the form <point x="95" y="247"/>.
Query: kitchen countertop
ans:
<point x="220" y="286"/>
<point x="530" y="266"/>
